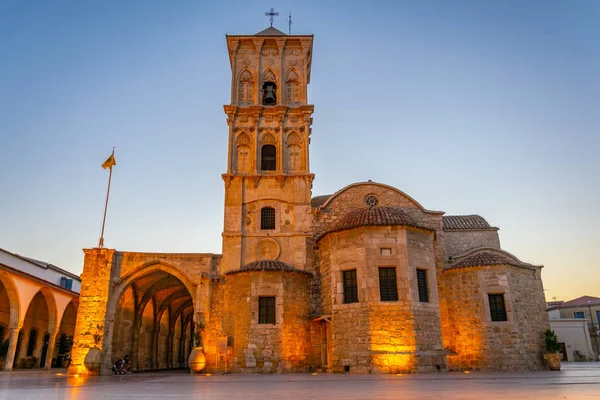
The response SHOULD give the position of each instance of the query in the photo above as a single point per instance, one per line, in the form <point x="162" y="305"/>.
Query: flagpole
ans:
<point x="101" y="243"/>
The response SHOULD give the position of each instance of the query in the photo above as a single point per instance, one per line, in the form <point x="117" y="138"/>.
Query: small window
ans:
<point x="268" y="158"/>
<point x="350" y="286"/>
<point x="385" y="251"/>
<point x="497" y="309"/>
<point x="578" y="314"/>
<point x="266" y="310"/>
<point x="422" y="285"/>
<point x="267" y="218"/>
<point x="388" y="289"/>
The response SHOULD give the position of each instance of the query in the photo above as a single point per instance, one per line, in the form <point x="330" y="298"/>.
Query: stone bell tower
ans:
<point x="268" y="180"/>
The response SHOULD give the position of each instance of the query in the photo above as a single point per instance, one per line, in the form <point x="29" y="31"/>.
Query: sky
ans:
<point x="469" y="107"/>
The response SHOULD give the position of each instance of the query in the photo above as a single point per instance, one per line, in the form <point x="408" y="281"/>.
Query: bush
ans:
<point x="551" y="341"/>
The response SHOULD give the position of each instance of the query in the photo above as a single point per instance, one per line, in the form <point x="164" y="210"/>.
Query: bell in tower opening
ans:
<point x="269" y="96"/>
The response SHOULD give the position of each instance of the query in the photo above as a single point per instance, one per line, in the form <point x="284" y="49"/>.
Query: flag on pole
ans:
<point x="110" y="161"/>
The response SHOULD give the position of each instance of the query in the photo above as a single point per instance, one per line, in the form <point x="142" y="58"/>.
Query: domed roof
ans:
<point x="376" y="216"/>
<point x="268" y="265"/>
<point x="488" y="258"/>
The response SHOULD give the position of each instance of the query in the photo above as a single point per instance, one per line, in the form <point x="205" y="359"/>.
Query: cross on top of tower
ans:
<point x="271" y="13"/>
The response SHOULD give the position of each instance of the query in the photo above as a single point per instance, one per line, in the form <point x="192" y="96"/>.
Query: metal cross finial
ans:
<point x="290" y="24"/>
<point x="272" y="13"/>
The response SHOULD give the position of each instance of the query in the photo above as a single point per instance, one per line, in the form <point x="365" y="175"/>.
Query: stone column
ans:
<point x="12" y="348"/>
<point x="50" y="351"/>
<point x="95" y="287"/>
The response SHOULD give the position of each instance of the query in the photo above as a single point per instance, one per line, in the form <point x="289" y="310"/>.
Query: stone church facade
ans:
<point x="365" y="280"/>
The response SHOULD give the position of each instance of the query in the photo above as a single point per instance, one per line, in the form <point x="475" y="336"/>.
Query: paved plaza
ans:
<point x="575" y="381"/>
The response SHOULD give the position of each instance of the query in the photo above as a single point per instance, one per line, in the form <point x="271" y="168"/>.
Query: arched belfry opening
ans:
<point x="269" y="89"/>
<point x="150" y="320"/>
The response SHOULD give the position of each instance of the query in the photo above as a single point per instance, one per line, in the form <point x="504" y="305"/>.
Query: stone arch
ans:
<point x="14" y="300"/>
<point x="147" y="301"/>
<point x="52" y="309"/>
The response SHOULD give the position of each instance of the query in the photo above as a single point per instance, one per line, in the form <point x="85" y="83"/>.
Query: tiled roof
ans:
<point x="465" y="222"/>
<point x="581" y="301"/>
<point x="268" y="265"/>
<point x="318" y="201"/>
<point x="485" y="258"/>
<point x="375" y="216"/>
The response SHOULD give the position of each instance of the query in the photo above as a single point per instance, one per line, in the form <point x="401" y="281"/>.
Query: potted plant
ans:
<point x="197" y="359"/>
<point x="552" y="355"/>
<point x="63" y="350"/>
<point x="93" y="358"/>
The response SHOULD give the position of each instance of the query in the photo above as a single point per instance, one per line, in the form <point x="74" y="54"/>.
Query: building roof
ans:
<point x="268" y="265"/>
<point x="375" y="216"/>
<point x="582" y="301"/>
<point x="487" y="256"/>
<point x="465" y="223"/>
<point x="270" y="31"/>
<point x="318" y="201"/>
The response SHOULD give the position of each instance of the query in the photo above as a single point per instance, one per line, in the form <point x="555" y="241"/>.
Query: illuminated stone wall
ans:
<point x="373" y="335"/>
<point x="476" y="341"/>
<point x="268" y="348"/>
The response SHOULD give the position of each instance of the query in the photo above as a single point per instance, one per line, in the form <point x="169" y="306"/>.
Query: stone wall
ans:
<point x="268" y="348"/>
<point x="458" y="242"/>
<point x="373" y="335"/>
<point x="476" y="341"/>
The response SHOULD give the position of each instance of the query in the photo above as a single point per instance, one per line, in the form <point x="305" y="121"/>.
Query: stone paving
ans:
<point x="574" y="381"/>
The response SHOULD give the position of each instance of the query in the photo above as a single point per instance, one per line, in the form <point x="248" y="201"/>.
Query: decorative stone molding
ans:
<point x="268" y="249"/>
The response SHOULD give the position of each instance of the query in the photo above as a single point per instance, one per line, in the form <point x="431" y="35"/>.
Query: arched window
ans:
<point x="32" y="342"/>
<point x="268" y="158"/>
<point x="267" y="218"/>
<point x="294" y="160"/>
<point x="246" y="88"/>
<point x="292" y="87"/>
<point x="243" y="158"/>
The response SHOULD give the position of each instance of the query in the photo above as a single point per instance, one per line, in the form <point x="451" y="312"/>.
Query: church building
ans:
<point x="364" y="280"/>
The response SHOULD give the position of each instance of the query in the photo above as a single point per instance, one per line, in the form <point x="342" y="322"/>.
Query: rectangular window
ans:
<point x="385" y="251"/>
<point x="388" y="289"/>
<point x="350" y="286"/>
<point x="578" y="314"/>
<point x="267" y="218"/>
<point x="266" y="310"/>
<point x="497" y="310"/>
<point x="422" y="285"/>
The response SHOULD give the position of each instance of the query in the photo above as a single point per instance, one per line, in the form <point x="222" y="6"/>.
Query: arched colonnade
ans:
<point x="33" y="317"/>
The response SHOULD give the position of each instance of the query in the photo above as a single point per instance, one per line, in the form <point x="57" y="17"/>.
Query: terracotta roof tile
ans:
<point x="268" y="265"/>
<point x="375" y="216"/>
<point x="465" y="222"/>
<point x="485" y="258"/>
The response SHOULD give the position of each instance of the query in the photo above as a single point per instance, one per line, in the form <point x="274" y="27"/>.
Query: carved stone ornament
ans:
<point x="243" y="139"/>
<point x="292" y="76"/>
<point x="269" y="76"/>
<point x="269" y="138"/>
<point x="268" y="249"/>
<point x="293" y="138"/>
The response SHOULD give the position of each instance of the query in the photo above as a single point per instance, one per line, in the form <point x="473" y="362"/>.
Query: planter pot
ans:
<point x="93" y="359"/>
<point x="197" y="360"/>
<point x="553" y="361"/>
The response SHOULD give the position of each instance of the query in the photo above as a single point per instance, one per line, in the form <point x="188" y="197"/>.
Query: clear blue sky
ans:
<point x="468" y="106"/>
